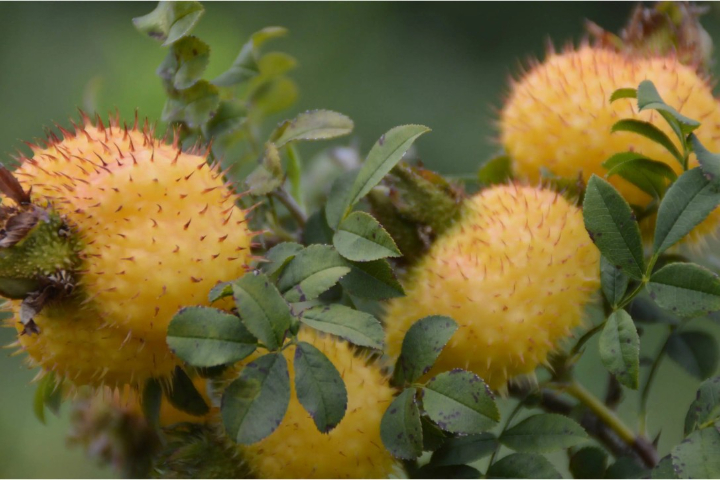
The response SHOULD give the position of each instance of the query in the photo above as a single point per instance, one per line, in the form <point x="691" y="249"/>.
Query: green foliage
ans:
<point x="465" y="449"/>
<point x="48" y="394"/>
<point x="183" y="395"/>
<point x="356" y="327"/>
<point x="400" y="428"/>
<point x="620" y="348"/>
<point x="262" y="309"/>
<point x="695" y="351"/>
<point x="313" y="271"/>
<point x="170" y="21"/>
<point x="614" y="282"/>
<point x="360" y="238"/>
<point x="421" y="347"/>
<point x="496" y="171"/>
<point x="650" y="176"/>
<point x="522" y="465"/>
<point x="648" y="130"/>
<point x="685" y="289"/>
<point x="589" y="462"/>
<point x="705" y="409"/>
<point x="543" y="433"/>
<point x="698" y="456"/>
<point x="372" y="280"/>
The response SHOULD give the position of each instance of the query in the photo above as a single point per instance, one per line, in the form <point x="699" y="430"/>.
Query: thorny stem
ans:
<point x="651" y="376"/>
<point x="289" y="202"/>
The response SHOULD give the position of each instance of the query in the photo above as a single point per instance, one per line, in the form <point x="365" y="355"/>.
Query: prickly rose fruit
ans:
<point x="157" y="228"/>
<point x="558" y="116"/>
<point x="515" y="273"/>
<point x="353" y="449"/>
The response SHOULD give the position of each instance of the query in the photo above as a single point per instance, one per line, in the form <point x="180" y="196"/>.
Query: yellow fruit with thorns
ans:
<point x="153" y="229"/>
<point x="515" y="273"/>
<point x="559" y="117"/>
<point x="353" y="449"/>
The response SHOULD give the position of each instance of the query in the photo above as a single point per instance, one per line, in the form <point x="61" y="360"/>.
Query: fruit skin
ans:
<point x="158" y="228"/>
<point x="559" y="117"/>
<point x="515" y="273"/>
<point x="353" y="449"/>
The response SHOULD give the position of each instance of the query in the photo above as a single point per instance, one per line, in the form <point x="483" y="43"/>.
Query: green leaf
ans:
<point x="620" y="348"/>
<point x="649" y="99"/>
<point x="626" y="467"/>
<point x="152" y="401"/>
<point x="317" y="230"/>
<point x="400" y="428"/>
<point x="279" y="256"/>
<point x="650" y="131"/>
<point x="650" y="176"/>
<point x="254" y="405"/>
<point x="705" y="409"/>
<point x="245" y="65"/>
<point x="544" y="433"/>
<point x="623" y="93"/>
<point x="589" y="462"/>
<point x="207" y="337"/>
<point x="685" y="289"/>
<point x="185" y="63"/>
<point x="319" y="387"/>
<point x="709" y="162"/>
<point x="47" y="394"/>
<point x="687" y="202"/>
<point x="664" y="469"/>
<point x="458" y="401"/>
<point x="496" y="171"/>
<point x="522" y="465"/>
<point x="614" y="282"/>
<point x="612" y="226"/>
<point x="268" y="175"/>
<point x="339" y="198"/>
<point x="170" y="21"/>
<point x="372" y="280"/>
<point x="312" y="125"/>
<point x="362" y="239"/>
<point x="384" y="155"/>
<point x="644" y="310"/>
<point x="221" y="290"/>
<point x="195" y="105"/>
<point x="451" y="471"/>
<point x="466" y="449"/>
<point x="698" y="456"/>
<point x="262" y="309"/>
<point x="273" y="96"/>
<point x="695" y="351"/>
<point x="183" y="395"/>
<point x="433" y="437"/>
<point x="230" y="117"/>
<point x="421" y="346"/>
<point x="312" y="272"/>
<point x="356" y="327"/>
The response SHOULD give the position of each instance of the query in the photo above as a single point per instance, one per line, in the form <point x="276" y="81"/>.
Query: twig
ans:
<point x="289" y="202"/>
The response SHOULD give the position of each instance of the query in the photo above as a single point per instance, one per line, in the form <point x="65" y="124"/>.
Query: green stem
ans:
<point x="295" y="210"/>
<point x="651" y="376"/>
<point x="587" y="336"/>
<point x="510" y="418"/>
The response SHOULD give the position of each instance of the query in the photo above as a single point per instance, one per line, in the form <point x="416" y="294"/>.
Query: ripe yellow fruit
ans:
<point x="353" y="449"/>
<point x="515" y="273"/>
<point x="158" y="228"/>
<point x="559" y="116"/>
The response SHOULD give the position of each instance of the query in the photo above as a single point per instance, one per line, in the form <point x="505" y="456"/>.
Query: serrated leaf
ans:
<point x="254" y="405"/>
<point x="466" y="449"/>
<point x="612" y="226"/>
<point x="698" y="456"/>
<point x="421" y="346"/>
<point x="207" y="337"/>
<point x="383" y="156"/>
<point x="230" y="117"/>
<point x="195" y="105"/>
<point x="183" y="395"/>
<point x="312" y="272"/>
<point x="687" y="202"/>
<point x="339" y="198"/>
<point x="372" y="280"/>
<point x="623" y="93"/>
<point x="544" y="433"/>
<point x="221" y="290"/>
<point x="319" y="387"/>
<point x="522" y="465"/>
<point x="356" y="327"/>
<point x="361" y="238"/>
<point x="650" y="131"/>
<point x="614" y="282"/>
<point x="496" y="170"/>
<point x="400" y="428"/>
<point x="245" y="65"/>
<point x="709" y="162"/>
<point x="268" y="175"/>
<point x="649" y="99"/>
<point x="620" y="348"/>
<point x="705" y="409"/>
<point x="589" y="462"/>
<point x="170" y="21"/>
<point x="459" y="401"/>
<point x="694" y="351"/>
<point x="151" y="402"/>
<point x="47" y="394"/>
<point x="262" y="309"/>
<point x="279" y="256"/>
<point x="685" y="289"/>
<point x="450" y="471"/>
<point x="433" y="437"/>
<point x="185" y="63"/>
<point x="650" y="176"/>
<point x="664" y="469"/>
<point x="312" y="125"/>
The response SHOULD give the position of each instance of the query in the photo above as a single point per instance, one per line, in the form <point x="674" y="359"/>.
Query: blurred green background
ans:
<point x="383" y="64"/>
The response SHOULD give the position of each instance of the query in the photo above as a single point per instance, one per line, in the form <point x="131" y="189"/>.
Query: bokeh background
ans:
<point x="383" y="64"/>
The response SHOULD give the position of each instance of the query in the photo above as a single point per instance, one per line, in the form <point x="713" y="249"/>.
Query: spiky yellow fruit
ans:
<point x="515" y="273"/>
<point x="353" y="449"/>
<point x="157" y="227"/>
<point x="559" y="116"/>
